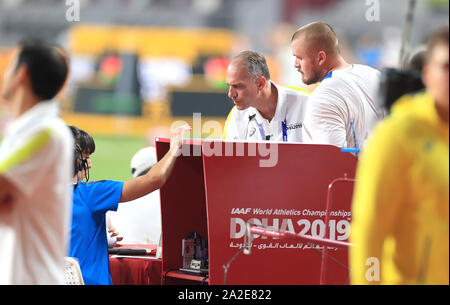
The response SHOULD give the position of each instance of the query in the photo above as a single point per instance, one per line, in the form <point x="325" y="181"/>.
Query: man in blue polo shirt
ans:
<point x="91" y="201"/>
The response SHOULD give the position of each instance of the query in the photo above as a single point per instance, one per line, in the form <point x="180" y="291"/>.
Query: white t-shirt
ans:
<point x="286" y="125"/>
<point x="138" y="221"/>
<point x="344" y="98"/>
<point x="36" y="156"/>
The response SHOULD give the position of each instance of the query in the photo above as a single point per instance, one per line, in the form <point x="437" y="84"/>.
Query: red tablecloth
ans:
<point x="136" y="271"/>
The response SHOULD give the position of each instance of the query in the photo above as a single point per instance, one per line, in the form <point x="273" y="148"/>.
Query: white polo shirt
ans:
<point x="36" y="156"/>
<point x="138" y="221"/>
<point x="342" y="109"/>
<point x="285" y="126"/>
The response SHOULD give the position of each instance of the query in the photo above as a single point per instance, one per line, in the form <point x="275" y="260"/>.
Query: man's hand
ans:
<point x="159" y="173"/>
<point x="176" y="140"/>
<point x="114" y="237"/>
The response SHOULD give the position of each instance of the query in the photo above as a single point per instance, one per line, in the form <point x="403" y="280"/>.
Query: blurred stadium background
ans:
<point x="139" y="65"/>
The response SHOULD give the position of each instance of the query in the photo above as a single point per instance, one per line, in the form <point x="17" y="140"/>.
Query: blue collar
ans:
<point x="329" y="74"/>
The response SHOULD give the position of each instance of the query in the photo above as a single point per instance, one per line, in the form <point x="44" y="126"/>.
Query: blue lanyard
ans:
<point x="263" y="134"/>
<point x="354" y="135"/>
<point x="284" y="127"/>
<point x="261" y="131"/>
<point x="356" y="149"/>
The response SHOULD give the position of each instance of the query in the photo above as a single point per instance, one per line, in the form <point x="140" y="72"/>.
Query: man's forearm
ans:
<point x="153" y="180"/>
<point x="163" y="168"/>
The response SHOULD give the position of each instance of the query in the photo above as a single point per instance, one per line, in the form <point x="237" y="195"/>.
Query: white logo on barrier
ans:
<point x="240" y="211"/>
<point x="336" y="230"/>
<point x="266" y="150"/>
<point x="373" y="272"/>
<point x="73" y="10"/>
<point x="373" y="12"/>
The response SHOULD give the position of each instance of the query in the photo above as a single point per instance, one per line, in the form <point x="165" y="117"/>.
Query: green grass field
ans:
<point x="112" y="157"/>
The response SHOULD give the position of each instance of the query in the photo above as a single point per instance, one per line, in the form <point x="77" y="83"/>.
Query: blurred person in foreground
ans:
<point x="139" y="222"/>
<point x="342" y="108"/>
<point x="400" y="206"/>
<point x="263" y="110"/>
<point x="35" y="169"/>
<point x="91" y="201"/>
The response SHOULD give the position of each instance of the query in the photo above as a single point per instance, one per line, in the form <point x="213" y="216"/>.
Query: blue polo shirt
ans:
<point x="88" y="241"/>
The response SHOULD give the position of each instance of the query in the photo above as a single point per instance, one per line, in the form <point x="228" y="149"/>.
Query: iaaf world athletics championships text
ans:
<point x="290" y="212"/>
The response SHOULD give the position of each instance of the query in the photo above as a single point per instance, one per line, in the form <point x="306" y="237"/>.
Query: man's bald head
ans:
<point x="318" y="36"/>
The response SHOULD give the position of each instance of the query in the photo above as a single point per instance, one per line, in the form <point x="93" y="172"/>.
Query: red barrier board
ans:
<point x="221" y="185"/>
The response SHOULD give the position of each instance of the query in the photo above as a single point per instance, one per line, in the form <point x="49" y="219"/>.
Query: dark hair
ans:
<point x="77" y="159"/>
<point x="85" y="144"/>
<point x="46" y="66"/>
<point x="83" y="139"/>
<point x="439" y="36"/>
<point x="414" y="60"/>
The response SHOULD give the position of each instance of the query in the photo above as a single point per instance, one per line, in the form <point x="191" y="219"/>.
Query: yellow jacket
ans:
<point x="401" y="201"/>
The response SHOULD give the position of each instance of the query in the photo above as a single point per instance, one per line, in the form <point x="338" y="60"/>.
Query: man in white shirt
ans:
<point x="35" y="170"/>
<point x="342" y="109"/>
<point x="263" y="110"/>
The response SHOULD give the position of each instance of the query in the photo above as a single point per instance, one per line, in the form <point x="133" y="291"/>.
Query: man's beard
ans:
<point x="315" y="78"/>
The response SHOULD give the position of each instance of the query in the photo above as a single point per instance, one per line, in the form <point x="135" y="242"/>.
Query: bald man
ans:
<point x="264" y="111"/>
<point x="341" y="110"/>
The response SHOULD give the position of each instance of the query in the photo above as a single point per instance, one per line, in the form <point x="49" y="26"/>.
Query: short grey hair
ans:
<point x="256" y="64"/>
